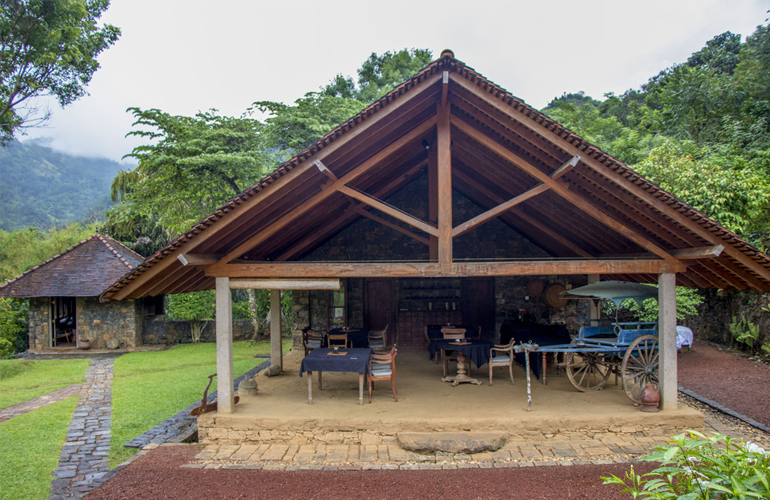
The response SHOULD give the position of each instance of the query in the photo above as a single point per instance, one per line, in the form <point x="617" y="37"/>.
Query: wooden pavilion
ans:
<point x="574" y="211"/>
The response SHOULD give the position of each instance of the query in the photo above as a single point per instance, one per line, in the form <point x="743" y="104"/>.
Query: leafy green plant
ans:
<point x="197" y="308"/>
<point x="701" y="467"/>
<point x="687" y="302"/>
<point x="744" y="332"/>
<point x="14" y="319"/>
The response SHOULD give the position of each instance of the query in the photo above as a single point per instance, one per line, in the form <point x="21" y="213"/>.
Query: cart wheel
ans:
<point x="588" y="371"/>
<point x="640" y="366"/>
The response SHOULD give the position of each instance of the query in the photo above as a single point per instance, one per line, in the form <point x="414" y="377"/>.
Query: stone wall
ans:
<point x="161" y="330"/>
<point x="39" y="323"/>
<point x="721" y="306"/>
<point x="120" y="321"/>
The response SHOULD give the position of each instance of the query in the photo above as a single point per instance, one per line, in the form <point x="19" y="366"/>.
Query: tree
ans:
<point x="47" y="48"/>
<point x="195" y="307"/>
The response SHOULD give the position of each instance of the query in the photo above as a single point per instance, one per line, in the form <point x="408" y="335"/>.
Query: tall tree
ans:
<point x="47" y="48"/>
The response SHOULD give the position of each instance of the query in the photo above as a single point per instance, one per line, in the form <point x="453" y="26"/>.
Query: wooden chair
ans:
<point x="312" y="339"/>
<point x="501" y="355"/>
<point x="448" y="355"/>
<point x="338" y="339"/>
<point x="376" y="338"/>
<point x="382" y="366"/>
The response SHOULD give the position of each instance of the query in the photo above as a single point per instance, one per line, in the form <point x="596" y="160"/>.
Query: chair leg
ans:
<point x="490" y="372"/>
<point x="371" y="383"/>
<point x="510" y="370"/>
<point x="393" y="386"/>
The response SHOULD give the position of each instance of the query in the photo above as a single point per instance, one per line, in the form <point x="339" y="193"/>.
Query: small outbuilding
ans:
<point x="63" y="293"/>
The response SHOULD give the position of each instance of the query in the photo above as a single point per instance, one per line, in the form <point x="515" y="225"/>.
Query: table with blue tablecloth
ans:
<point x="327" y="360"/>
<point x="476" y="350"/>
<point x="434" y="331"/>
<point x="542" y="335"/>
<point x="357" y="337"/>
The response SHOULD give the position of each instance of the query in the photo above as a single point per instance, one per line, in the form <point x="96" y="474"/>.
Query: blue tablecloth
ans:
<point x="358" y="336"/>
<point x="319" y="360"/>
<point x="477" y="351"/>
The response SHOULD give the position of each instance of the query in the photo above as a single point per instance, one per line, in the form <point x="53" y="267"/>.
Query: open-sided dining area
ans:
<point x="280" y="413"/>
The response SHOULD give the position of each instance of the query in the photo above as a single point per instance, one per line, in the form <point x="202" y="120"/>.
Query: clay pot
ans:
<point x="650" y="398"/>
<point x="84" y="344"/>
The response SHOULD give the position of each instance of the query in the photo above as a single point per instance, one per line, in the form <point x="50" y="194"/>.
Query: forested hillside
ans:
<point x="43" y="188"/>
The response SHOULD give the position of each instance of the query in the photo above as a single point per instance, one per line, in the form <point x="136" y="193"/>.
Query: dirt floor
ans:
<point x="731" y="380"/>
<point x="726" y="378"/>
<point x="157" y="475"/>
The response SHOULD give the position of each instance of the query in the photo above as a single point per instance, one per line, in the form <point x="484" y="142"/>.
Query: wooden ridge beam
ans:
<point x="307" y="270"/>
<point x="561" y="190"/>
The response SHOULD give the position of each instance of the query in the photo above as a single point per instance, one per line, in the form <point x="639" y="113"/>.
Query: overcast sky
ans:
<point x="182" y="56"/>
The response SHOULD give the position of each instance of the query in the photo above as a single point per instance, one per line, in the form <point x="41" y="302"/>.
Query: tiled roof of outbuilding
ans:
<point x="84" y="270"/>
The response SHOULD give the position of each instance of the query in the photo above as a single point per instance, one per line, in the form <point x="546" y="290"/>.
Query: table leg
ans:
<point x="461" y="376"/>
<point x="320" y="380"/>
<point x="360" y="388"/>
<point x="310" y="388"/>
<point x="543" y="368"/>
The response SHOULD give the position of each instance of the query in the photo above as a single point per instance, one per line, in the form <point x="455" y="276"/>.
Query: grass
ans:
<point x="22" y="379"/>
<point x="149" y="387"/>
<point x="29" y="450"/>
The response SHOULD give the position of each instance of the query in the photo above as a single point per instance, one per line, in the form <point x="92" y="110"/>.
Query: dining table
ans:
<point x="350" y="360"/>
<point x="477" y="350"/>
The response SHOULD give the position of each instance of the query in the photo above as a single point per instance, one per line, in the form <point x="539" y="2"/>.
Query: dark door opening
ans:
<point x="63" y="322"/>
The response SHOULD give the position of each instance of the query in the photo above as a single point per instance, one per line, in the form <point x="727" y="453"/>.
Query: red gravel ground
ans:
<point x="157" y="476"/>
<point x="728" y="379"/>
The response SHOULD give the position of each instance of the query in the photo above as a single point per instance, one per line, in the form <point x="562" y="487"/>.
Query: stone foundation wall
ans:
<point x="721" y="306"/>
<point x="161" y="330"/>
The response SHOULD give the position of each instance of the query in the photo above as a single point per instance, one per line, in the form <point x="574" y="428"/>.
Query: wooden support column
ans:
<point x="433" y="199"/>
<point x="667" y="340"/>
<point x="444" y="155"/>
<point x="276" y="350"/>
<point x="224" y="326"/>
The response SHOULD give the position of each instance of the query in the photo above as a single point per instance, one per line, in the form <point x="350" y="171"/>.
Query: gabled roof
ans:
<point x="84" y="270"/>
<point x="565" y="195"/>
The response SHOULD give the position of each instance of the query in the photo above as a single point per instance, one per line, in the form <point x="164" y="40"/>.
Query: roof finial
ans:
<point x="447" y="53"/>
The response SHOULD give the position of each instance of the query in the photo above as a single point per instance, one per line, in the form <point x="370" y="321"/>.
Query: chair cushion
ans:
<point x="381" y="370"/>
<point x="313" y="343"/>
<point x="500" y="359"/>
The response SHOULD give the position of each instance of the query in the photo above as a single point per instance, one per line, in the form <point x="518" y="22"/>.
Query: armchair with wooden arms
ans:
<point x="448" y="355"/>
<point x="382" y="366"/>
<point x="312" y="339"/>
<point x="501" y="355"/>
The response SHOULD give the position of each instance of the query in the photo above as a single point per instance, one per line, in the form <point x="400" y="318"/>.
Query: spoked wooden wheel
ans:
<point x="640" y="366"/>
<point x="588" y="371"/>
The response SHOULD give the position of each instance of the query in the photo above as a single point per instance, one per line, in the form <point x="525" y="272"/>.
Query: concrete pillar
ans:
<point x="593" y="307"/>
<point x="276" y="350"/>
<point x="224" y="319"/>
<point x="667" y="340"/>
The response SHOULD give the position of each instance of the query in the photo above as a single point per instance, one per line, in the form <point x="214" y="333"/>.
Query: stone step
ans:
<point x="452" y="442"/>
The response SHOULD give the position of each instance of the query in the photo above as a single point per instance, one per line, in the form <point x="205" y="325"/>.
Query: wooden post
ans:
<point x="667" y="340"/>
<point x="276" y="354"/>
<point x="433" y="199"/>
<point x="444" y="153"/>
<point x="224" y="325"/>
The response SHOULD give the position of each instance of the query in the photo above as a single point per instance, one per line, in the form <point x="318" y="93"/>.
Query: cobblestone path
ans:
<point x="83" y="462"/>
<point x="38" y="402"/>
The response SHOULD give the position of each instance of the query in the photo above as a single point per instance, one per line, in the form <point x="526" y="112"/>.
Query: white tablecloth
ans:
<point x="684" y="336"/>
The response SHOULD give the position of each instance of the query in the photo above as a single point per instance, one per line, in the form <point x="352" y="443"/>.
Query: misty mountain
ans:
<point x="43" y="188"/>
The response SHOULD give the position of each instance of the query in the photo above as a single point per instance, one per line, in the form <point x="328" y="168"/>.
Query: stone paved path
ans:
<point x="83" y="462"/>
<point x="38" y="402"/>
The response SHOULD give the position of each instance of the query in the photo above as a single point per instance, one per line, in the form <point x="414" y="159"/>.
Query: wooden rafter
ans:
<point x="388" y="209"/>
<point x="361" y="210"/>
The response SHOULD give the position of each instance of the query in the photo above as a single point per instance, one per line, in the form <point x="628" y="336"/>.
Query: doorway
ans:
<point x="63" y="322"/>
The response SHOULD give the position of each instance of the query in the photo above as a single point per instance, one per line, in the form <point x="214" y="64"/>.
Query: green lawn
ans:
<point x="29" y="450"/>
<point x="149" y="387"/>
<point x="22" y="379"/>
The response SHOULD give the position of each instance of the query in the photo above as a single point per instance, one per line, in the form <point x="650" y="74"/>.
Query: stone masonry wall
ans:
<point x="161" y="330"/>
<point x="721" y="306"/>
<point x="39" y="323"/>
<point x="99" y="322"/>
